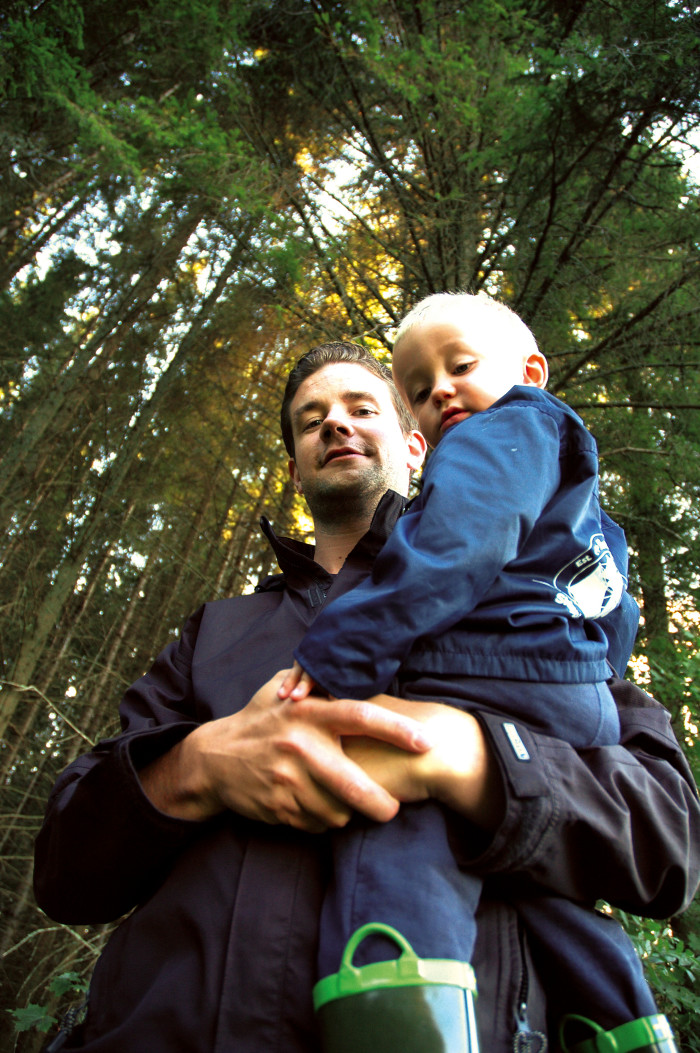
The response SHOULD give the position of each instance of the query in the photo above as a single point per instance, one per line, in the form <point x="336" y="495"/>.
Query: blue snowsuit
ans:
<point x="501" y="588"/>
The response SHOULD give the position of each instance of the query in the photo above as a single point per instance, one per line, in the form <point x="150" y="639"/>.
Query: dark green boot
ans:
<point x="648" y="1034"/>
<point x="407" y="1004"/>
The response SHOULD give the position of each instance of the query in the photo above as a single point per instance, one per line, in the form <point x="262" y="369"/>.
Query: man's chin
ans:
<point x="346" y="495"/>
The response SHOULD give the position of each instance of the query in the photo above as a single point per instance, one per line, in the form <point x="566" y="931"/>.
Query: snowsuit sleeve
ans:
<point x="103" y="845"/>
<point x="484" y="489"/>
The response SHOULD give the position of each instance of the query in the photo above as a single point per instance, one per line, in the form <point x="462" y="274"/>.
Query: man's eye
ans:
<point x="312" y="423"/>
<point x="364" y="411"/>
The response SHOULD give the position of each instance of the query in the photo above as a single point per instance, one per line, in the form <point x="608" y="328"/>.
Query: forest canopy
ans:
<point x="193" y="194"/>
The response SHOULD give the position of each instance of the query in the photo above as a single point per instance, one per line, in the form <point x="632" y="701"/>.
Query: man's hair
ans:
<point x="329" y="355"/>
<point x="460" y="307"/>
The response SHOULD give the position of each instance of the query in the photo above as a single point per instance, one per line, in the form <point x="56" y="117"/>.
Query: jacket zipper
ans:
<point x="525" y="1040"/>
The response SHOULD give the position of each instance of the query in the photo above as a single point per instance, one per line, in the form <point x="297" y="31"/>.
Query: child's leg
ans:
<point x="404" y="874"/>
<point x="587" y="962"/>
<point x="583" y="715"/>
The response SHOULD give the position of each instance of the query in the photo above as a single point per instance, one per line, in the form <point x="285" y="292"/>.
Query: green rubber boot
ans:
<point x="406" y="1004"/>
<point x="648" y="1034"/>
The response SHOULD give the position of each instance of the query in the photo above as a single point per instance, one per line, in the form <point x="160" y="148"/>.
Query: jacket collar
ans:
<point x="296" y="558"/>
<point x="383" y="522"/>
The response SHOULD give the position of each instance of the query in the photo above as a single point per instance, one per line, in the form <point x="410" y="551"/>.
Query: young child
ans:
<point x="497" y="591"/>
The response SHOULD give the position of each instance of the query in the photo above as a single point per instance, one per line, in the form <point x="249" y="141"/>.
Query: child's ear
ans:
<point x="536" y="370"/>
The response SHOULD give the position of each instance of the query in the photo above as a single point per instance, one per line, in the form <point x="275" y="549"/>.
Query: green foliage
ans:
<point x="38" y="1017"/>
<point x="41" y="60"/>
<point x="32" y="1017"/>
<point x="672" y="967"/>
<point x="68" y="983"/>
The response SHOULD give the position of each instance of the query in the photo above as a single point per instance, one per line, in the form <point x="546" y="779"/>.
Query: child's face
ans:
<point x="445" y="375"/>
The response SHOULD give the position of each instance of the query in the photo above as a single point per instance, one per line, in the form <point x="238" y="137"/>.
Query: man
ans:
<point x="208" y="813"/>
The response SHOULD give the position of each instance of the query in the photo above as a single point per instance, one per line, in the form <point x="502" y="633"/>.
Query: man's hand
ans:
<point x="282" y="761"/>
<point x="459" y="770"/>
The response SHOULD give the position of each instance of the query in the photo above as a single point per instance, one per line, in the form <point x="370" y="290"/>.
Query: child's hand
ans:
<point x="296" y="685"/>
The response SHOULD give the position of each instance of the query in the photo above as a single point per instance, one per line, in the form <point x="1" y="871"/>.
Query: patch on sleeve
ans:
<point x="516" y="743"/>
<point x="590" y="585"/>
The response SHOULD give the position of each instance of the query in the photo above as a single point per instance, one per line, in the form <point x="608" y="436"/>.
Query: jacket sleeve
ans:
<point x="103" y="845"/>
<point x="443" y="554"/>
<point x="619" y="823"/>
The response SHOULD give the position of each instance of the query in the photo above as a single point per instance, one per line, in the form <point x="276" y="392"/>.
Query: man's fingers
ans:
<point x="308" y="808"/>
<point x="348" y="717"/>
<point x="314" y="748"/>
<point x="317" y="812"/>
<point x="347" y="782"/>
<point x="314" y="812"/>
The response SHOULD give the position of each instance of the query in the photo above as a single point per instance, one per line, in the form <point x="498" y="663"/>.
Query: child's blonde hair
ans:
<point x="463" y="307"/>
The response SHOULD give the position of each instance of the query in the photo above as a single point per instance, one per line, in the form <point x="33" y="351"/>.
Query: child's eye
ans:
<point x="463" y="367"/>
<point x="364" y="411"/>
<point x="420" y="396"/>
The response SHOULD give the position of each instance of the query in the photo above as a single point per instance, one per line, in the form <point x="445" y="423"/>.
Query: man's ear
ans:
<point x="416" y="447"/>
<point x="293" y="471"/>
<point x="536" y="370"/>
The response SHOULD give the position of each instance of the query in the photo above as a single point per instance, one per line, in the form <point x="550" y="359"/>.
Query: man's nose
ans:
<point x="336" y="423"/>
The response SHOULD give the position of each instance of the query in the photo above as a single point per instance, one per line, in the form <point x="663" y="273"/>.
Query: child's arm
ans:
<point x="484" y="490"/>
<point x="297" y="684"/>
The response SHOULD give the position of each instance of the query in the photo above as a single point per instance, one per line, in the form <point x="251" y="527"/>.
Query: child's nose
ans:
<point x="444" y="388"/>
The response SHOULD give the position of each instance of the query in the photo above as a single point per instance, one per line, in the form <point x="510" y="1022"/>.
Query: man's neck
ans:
<point x="334" y="544"/>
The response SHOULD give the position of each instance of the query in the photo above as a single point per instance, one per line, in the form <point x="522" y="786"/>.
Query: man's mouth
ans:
<point x="342" y="451"/>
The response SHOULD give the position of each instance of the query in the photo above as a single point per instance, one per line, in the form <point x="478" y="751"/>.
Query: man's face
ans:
<point x="446" y="372"/>
<point x="348" y="444"/>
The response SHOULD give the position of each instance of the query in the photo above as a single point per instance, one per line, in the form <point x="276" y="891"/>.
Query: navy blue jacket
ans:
<point x="497" y="569"/>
